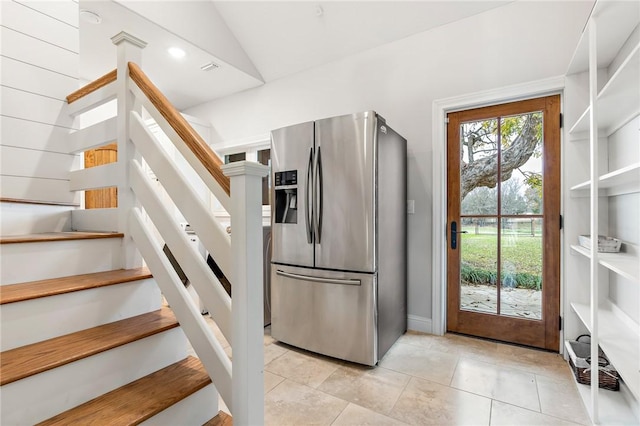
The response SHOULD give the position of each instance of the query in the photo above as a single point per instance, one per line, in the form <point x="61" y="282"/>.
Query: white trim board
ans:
<point x="441" y="107"/>
<point x="255" y="142"/>
<point x="421" y="324"/>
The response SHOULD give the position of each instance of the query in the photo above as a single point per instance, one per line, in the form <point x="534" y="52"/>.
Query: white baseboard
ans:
<point x="421" y="324"/>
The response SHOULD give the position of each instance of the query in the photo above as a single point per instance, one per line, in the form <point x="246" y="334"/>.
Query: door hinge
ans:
<point x="561" y="222"/>
<point x="561" y="120"/>
<point x="446" y="120"/>
<point x="560" y="323"/>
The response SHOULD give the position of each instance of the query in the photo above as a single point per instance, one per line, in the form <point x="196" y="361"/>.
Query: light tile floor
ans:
<point x="422" y="380"/>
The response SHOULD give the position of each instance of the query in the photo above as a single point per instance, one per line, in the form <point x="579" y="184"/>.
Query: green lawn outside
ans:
<point x="521" y="255"/>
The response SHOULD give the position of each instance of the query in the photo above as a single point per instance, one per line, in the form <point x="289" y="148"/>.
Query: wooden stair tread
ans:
<point x="140" y="400"/>
<point x="57" y="236"/>
<point x="47" y="203"/>
<point x="43" y="288"/>
<point x="25" y="361"/>
<point x="221" y="419"/>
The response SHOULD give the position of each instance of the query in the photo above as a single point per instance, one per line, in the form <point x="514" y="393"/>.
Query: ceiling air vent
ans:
<point x="209" y="66"/>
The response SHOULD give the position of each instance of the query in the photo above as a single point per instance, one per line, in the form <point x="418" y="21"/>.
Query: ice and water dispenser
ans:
<point x="286" y="202"/>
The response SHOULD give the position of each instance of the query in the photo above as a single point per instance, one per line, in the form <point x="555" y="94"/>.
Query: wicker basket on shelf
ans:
<point x="580" y="363"/>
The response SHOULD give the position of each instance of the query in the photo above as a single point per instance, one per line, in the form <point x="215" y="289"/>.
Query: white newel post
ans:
<point x="247" y="296"/>
<point x="129" y="49"/>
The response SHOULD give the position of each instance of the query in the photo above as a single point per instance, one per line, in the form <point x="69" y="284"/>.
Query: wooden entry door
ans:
<point x="503" y="222"/>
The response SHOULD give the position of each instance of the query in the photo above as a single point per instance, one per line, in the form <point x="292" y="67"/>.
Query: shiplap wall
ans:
<point x="39" y="68"/>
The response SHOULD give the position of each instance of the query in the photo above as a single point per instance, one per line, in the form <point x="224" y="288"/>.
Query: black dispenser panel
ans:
<point x="286" y="200"/>
<point x="290" y="177"/>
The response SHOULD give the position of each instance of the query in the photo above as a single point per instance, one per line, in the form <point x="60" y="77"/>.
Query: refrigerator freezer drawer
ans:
<point x="328" y="312"/>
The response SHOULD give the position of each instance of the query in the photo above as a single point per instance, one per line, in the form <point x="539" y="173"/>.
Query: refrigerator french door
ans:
<point x="345" y="193"/>
<point x="325" y="227"/>
<point x="324" y="183"/>
<point x="292" y="154"/>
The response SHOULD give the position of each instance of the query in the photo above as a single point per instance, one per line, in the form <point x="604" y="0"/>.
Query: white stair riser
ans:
<point x="196" y="409"/>
<point x="23" y="219"/>
<point x="105" y="220"/>
<point x="23" y="262"/>
<point x="44" y="395"/>
<point x="32" y="321"/>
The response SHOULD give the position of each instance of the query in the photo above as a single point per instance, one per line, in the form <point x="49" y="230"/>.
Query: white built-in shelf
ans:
<point x="616" y="20"/>
<point x="623" y="264"/>
<point x="612" y="407"/>
<point x="609" y="48"/>
<point x="622" y="181"/>
<point x="619" y="338"/>
<point x="580" y="129"/>
<point x="619" y="100"/>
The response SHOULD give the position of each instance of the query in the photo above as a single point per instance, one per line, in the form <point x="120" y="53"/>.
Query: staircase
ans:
<point x="86" y="338"/>
<point x="68" y="340"/>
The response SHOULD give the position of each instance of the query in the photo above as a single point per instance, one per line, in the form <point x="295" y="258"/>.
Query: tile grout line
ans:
<point x="490" y="411"/>
<point x="538" y="412"/>
<point x="281" y="382"/>
<point x="454" y="371"/>
<point x="341" y="411"/>
<point x="535" y="377"/>
<point x="411" y="377"/>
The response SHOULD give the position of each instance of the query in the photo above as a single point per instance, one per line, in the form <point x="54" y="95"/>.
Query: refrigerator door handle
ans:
<point x="319" y="197"/>
<point x="309" y="211"/>
<point x="317" y="279"/>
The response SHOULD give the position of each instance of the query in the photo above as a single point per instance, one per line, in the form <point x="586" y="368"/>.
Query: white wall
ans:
<point x="39" y="62"/>
<point x="520" y="42"/>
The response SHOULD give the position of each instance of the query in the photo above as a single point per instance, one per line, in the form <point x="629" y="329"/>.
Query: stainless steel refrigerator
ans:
<point x="338" y="275"/>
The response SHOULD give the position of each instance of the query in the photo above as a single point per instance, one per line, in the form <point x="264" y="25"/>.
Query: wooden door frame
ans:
<point x="542" y="333"/>
<point x="440" y="109"/>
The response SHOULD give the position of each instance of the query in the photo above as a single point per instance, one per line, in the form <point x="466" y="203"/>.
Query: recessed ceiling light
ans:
<point x="90" y="17"/>
<point x="177" y="53"/>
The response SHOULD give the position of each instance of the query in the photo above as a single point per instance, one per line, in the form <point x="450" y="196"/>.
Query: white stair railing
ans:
<point x="148" y="224"/>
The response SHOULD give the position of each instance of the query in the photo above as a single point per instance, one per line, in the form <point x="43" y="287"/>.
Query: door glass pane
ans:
<point x="478" y="265"/>
<point x="521" y="164"/>
<point x="479" y="168"/>
<point x="521" y="267"/>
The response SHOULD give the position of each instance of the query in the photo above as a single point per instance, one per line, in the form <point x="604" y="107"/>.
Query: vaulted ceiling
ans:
<point x="252" y="42"/>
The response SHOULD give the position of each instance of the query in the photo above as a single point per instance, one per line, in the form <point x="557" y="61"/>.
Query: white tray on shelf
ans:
<point x="605" y="244"/>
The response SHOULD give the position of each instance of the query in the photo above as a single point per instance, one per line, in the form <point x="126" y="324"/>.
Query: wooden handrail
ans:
<point x="93" y="86"/>
<point x="196" y="144"/>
